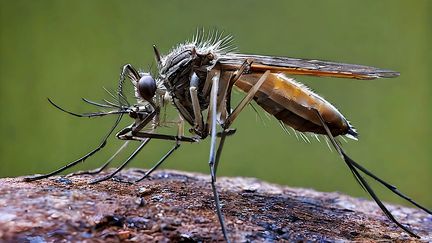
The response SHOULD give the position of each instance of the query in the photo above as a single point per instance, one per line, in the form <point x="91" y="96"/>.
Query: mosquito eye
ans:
<point x="146" y="87"/>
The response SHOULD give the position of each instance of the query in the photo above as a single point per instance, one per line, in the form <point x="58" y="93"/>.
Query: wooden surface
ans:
<point x="178" y="206"/>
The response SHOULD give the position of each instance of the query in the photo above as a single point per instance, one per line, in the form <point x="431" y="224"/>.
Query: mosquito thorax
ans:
<point x="205" y="58"/>
<point x="146" y="87"/>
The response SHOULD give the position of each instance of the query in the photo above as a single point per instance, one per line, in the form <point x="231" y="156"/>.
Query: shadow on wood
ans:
<point x="178" y="206"/>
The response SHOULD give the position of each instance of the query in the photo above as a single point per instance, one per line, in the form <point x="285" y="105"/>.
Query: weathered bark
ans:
<point x="178" y="206"/>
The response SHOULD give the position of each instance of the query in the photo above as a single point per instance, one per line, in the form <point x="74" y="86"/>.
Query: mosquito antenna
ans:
<point x="110" y="93"/>
<point x="110" y="103"/>
<point x="98" y="104"/>
<point x="354" y="166"/>
<point x="117" y="98"/>
<point x="94" y="114"/>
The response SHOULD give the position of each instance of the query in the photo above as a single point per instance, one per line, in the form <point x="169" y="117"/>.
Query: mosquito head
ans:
<point x="146" y="87"/>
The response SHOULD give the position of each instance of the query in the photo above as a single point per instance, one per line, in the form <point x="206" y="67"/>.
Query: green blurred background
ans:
<point x="71" y="49"/>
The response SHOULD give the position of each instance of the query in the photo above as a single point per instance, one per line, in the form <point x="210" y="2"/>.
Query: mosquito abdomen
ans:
<point x="295" y="104"/>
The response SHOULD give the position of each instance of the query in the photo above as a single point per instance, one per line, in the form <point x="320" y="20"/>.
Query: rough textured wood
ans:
<point x="178" y="206"/>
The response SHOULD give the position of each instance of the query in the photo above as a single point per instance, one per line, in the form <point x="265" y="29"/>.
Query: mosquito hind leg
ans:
<point x="353" y="166"/>
<point x="246" y="100"/>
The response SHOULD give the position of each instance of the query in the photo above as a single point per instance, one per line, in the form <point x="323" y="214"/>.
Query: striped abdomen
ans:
<point x="295" y="105"/>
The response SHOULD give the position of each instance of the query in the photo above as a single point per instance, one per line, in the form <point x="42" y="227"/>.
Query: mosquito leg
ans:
<point x="249" y="96"/>
<point x="180" y="132"/>
<point x="127" y="69"/>
<point x="352" y="166"/>
<point x="145" y="137"/>
<point x="219" y="151"/>
<point x="104" y="178"/>
<point x="227" y="93"/>
<point x="224" y="84"/>
<point x="69" y="165"/>
<point x="140" y="136"/>
<point x="212" y="157"/>
<point x="237" y="74"/>
<point x="100" y="169"/>
<point x="134" y="76"/>
<point x="180" y="127"/>
<point x="213" y="79"/>
<point x="390" y="187"/>
<point x="147" y="173"/>
<point x="198" y="122"/>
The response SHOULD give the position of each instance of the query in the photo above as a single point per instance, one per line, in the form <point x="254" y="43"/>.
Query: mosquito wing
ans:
<point x="297" y="66"/>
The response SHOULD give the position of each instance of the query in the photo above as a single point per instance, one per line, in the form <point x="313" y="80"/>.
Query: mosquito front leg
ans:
<point x="134" y="76"/>
<point x="127" y="134"/>
<point x="179" y="138"/>
<point x="131" y="133"/>
<point x="137" y="150"/>
<point x="127" y="70"/>
<point x="82" y="159"/>
<point x="100" y="169"/>
<point x="180" y="133"/>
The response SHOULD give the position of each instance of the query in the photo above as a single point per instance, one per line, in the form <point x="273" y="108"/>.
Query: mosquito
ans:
<point x="198" y="77"/>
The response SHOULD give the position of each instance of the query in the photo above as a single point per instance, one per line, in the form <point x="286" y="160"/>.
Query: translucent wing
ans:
<point x="299" y="66"/>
